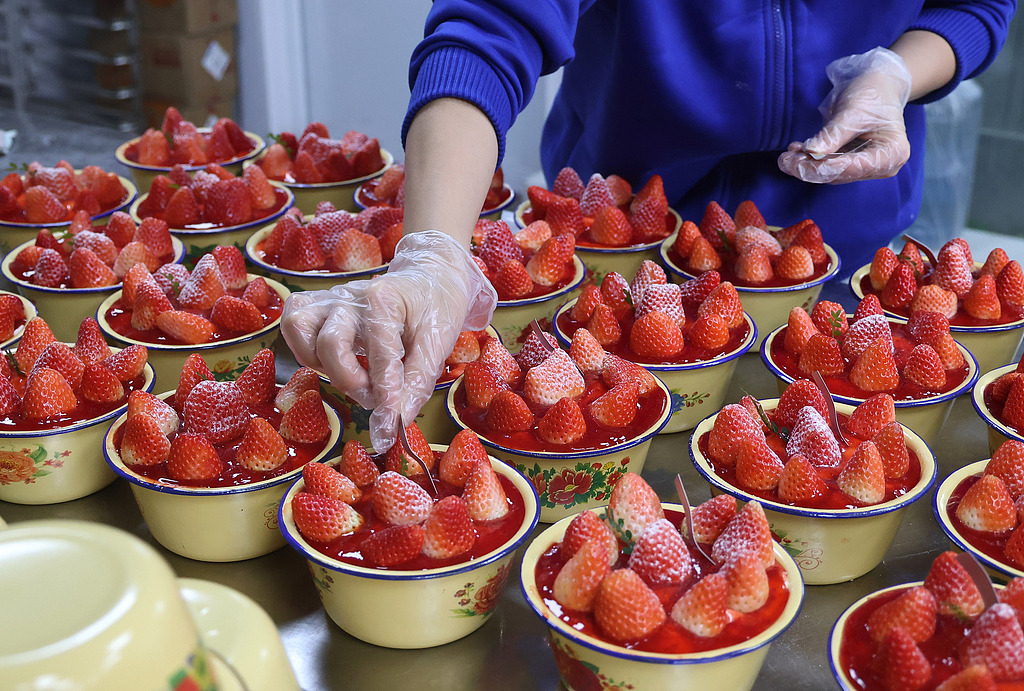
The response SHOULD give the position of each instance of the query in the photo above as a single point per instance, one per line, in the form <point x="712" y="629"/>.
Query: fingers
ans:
<point x="385" y="350"/>
<point x="337" y="343"/>
<point x="304" y="314"/>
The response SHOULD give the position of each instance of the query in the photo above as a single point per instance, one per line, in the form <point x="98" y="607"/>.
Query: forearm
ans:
<point x="929" y="58"/>
<point x="450" y="154"/>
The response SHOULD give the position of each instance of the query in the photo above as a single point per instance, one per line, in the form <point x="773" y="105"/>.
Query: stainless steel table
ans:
<point x="510" y="651"/>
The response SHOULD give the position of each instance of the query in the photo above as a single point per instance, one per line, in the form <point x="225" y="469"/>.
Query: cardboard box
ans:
<point x="201" y="114"/>
<point x="189" y="69"/>
<point x="187" y="16"/>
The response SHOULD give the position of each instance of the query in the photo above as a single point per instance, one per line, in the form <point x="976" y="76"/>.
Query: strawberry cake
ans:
<point x="15" y="312"/>
<point x="984" y="302"/>
<point x="179" y="141"/>
<point x="999" y="400"/>
<point x="389" y="190"/>
<point x="950" y="632"/>
<point x="313" y="157"/>
<point x="50" y="196"/>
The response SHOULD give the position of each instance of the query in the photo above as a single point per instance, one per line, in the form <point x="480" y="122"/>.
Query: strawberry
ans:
<point x="800" y="483"/>
<point x="799" y="330"/>
<point x="703" y="256"/>
<point x="863" y="332"/>
<point x="987" y="506"/>
<point x="235" y="314"/>
<point x="10" y="399"/>
<point x="750" y="237"/>
<point x="355" y="251"/>
<point x="135" y="276"/>
<point x="616" y="370"/>
<point x="899" y="664"/>
<point x="586" y="352"/>
<point x="306" y="422"/>
<point x="541" y="199"/>
<point x="586" y="526"/>
<point x="911" y="254"/>
<point x="973" y="678"/>
<point x="685" y="239"/>
<point x="868" y="306"/>
<point x="702" y="609"/>
<point x="132" y="254"/>
<point x="533" y="236"/>
<point x="461" y="456"/>
<point x="863" y="477"/>
<point x="994" y="263"/>
<point x="231" y="264"/>
<point x="204" y="285"/>
<point x="261" y="192"/>
<point x="256" y="382"/>
<point x="193" y="457"/>
<point x="42" y="206"/>
<point x="29" y="256"/>
<point x="512" y="281"/>
<point x="553" y="379"/>
<point x="508" y="412"/>
<point x="626" y="608"/>
<point x="954" y="590"/>
<point x="949" y="352"/>
<point x="182" y="209"/>
<point x="97" y="243"/>
<point x="656" y="336"/>
<point x="322" y="519"/>
<point x="615" y="292"/>
<point x="579" y="580"/>
<point x="632" y="507"/>
<point x="754" y="266"/>
<point x="662" y="297"/>
<point x="869" y="417"/>
<point x="802" y="392"/>
<point x="924" y="367"/>
<point x="732" y="427"/>
<point x="875" y="369"/>
<point x="821" y="354"/>
<point x="149" y="303"/>
<point x="747" y="214"/>
<point x="482" y="384"/>
<point x="496" y="356"/>
<point x="394" y="545"/>
<point x="953" y="271"/>
<point x="932" y="298"/>
<point x="216" y="410"/>
<point x="143" y="442"/>
<point x="357" y="465"/>
<point x="795" y="263"/>
<point x="155" y="234"/>
<point x="398" y="460"/>
<point x="717" y="226"/>
<point x="724" y="301"/>
<point x="748" y="582"/>
<point x="564" y="216"/>
<point x="59" y="357"/>
<point x="830" y="318"/>
<point x="99" y="385"/>
<point x="128" y="363"/>
<point x="50" y="270"/>
<point x="257" y="292"/>
<point x="899" y="290"/>
<point x="810" y="239"/>
<point x="399" y="501"/>
<point x="193" y="371"/>
<point x="757" y="466"/>
<point x="1013" y="550"/>
<point x="228" y="203"/>
<point x="711" y="517"/>
<point x="811" y="437"/>
<point x="596" y="196"/>
<point x="617" y="407"/>
<point x="1008" y="465"/>
<point x="914" y="612"/>
<point x="34" y="339"/>
<point x="154" y="149"/>
<point x="141" y="402"/>
<point x="648" y="209"/>
<point x="448" y="529"/>
<point x="484" y="496"/>
<point x="611" y="227"/>
<point x="1013" y="595"/>
<point x="709" y="332"/>
<point x="928" y="327"/>
<point x="185" y="326"/>
<point x="997" y="642"/>
<point x="568" y="184"/>
<point x="553" y="260"/>
<point x="563" y="423"/>
<point x="499" y="246"/>
<point x="660" y="556"/>
<point x="981" y="300"/>
<point x="604" y="326"/>
<point x="262" y="449"/>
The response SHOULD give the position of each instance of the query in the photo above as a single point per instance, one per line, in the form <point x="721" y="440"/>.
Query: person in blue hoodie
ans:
<point x="727" y="101"/>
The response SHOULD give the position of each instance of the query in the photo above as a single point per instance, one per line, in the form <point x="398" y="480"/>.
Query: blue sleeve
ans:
<point x="491" y="53"/>
<point x="976" y="30"/>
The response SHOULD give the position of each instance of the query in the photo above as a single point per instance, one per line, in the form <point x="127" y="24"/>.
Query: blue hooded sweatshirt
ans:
<point x="706" y="94"/>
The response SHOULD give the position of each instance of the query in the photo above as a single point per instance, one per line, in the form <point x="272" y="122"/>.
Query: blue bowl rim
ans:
<point x="191" y="233"/>
<point x="259" y="147"/>
<point x="133" y="195"/>
<point x="977" y="400"/>
<point x="564" y="290"/>
<point x="250" y="254"/>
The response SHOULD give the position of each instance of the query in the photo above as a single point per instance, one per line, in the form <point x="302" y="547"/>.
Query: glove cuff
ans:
<point x="880" y="60"/>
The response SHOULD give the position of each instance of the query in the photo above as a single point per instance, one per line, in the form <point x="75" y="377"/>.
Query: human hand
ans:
<point x="864" y="111"/>
<point x="405" y="322"/>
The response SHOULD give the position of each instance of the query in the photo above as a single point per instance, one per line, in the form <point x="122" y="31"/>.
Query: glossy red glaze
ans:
<point x="990" y="544"/>
<point x="131" y="152"/>
<point x="85" y="410"/>
<point x="996" y="408"/>
<point x="728" y="272"/>
<point x="280" y="199"/>
<point x="18" y="215"/>
<point x="585" y="241"/>
<point x="1010" y="313"/>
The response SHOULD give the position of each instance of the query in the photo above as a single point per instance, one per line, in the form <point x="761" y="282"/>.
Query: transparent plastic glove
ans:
<point x="406" y="322"/>
<point x="863" y="115"/>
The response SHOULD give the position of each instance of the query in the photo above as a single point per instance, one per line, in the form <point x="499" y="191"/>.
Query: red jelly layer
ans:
<point x="17" y="214"/>
<point x="85" y="410"/>
<point x="856" y="651"/>
<point x="669" y="638"/>
<point x="234" y="475"/>
<point x="26" y="273"/>
<point x="490" y="535"/>
<point x="586" y="241"/>
<point x="835" y="498"/>
<point x="840" y="385"/>
<point x="131" y="152"/>
<point x="274" y="260"/>
<point x="1010" y="313"/>
<point x="691" y="353"/>
<point x="366" y="195"/>
<point x="119" y="317"/>
<point x="996" y="408"/>
<point x="649" y="409"/>
<point x="728" y="273"/>
<point x="992" y="545"/>
<point x="280" y="199"/>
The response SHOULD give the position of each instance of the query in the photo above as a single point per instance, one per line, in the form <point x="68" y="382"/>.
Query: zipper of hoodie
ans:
<point x="777" y="71"/>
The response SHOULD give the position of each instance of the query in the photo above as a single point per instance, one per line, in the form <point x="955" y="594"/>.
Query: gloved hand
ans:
<point x="405" y="321"/>
<point x="864" y="110"/>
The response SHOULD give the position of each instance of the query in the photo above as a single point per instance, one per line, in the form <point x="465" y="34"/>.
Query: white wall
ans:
<point x="345" y="63"/>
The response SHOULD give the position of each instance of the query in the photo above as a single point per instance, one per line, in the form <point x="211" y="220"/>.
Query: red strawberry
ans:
<point x="154" y="234"/>
<point x="662" y="297"/>
<point x="141" y="402"/>
<point x="802" y="392"/>
<point x="143" y="442"/>
<point x="863" y="332"/>
<point x="863" y="477"/>
<point x="398" y="460"/>
<point x="648" y="210"/>
<point x="800" y="483"/>
<point x="747" y="214"/>
<point x="596" y="196"/>
<point x="10" y="399"/>
<point x="616" y="370"/>
<point x="193" y="371"/>
<point x="482" y="384"/>
<point x="216" y="410"/>
<point x="928" y="327"/>
<point x="724" y="301"/>
<point x="262" y="449"/>
<point x="87" y="270"/>
<point x="954" y="590"/>
<point x="533" y="236"/>
<point x="611" y="227"/>
<point x="132" y="254"/>
<point x="579" y="580"/>
<point x="994" y="263"/>
<point x="795" y="263"/>
<point x="508" y="412"/>
<point x="799" y="330"/>
<point x="660" y="556"/>
<point x="685" y="239"/>
<point x="533" y="351"/>
<point x="34" y="339"/>
<point x="749" y="237"/>
<point x="875" y="369"/>
<point x="717" y="226"/>
<point x="461" y="456"/>
<point x="228" y="203"/>
<point x="899" y="290"/>
<point x="899" y="664"/>
<point x="925" y="368"/>
<point x="357" y="251"/>
<point x="656" y="336"/>
<point x="99" y="385"/>
<point x="586" y="526"/>
<point x="448" y="529"/>
<point x="732" y="427"/>
<point x="997" y="642"/>
<point x="306" y="422"/>
<point x="757" y="466"/>
<point x="185" y="326"/>
<point x="709" y="332"/>
<point x="149" y="303"/>
<point x="747" y="532"/>
<point x="583" y="308"/>
<point x="51" y="270"/>
<point x="193" y="457"/>
<point x="754" y="266"/>
<point x="394" y="545"/>
<point x="868" y="306"/>
<point x="813" y="438"/>
<point x="553" y="260"/>
<point x="872" y="415"/>
<point x="133" y="278"/>
<point x="59" y="357"/>
<point x="541" y="199"/>
<point x="615" y="292"/>
<point x="357" y="465"/>
<point x="1008" y="465"/>
<point x="257" y="292"/>
<point x="484" y="496"/>
<point x="914" y="612"/>
<point x="400" y="501"/>
<point x="830" y="318"/>
<point x="748" y="582"/>
<point x="982" y="299"/>
<point x="953" y="271"/>
<point x="911" y="254"/>
<point x="603" y="325"/>
<point x="987" y="506"/>
<point x="625" y="608"/>
<point x="632" y="507"/>
<point x="711" y="518"/>
<point x="932" y="298"/>
<point x="702" y="609"/>
<point x="261" y="192"/>
<point x="182" y="209"/>
<point x="563" y="423"/>
<point x="499" y="246"/>
<point x="949" y="352"/>
<point x="42" y="206"/>
<point x="235" y="314"/>
<point x="204" y="285"/>
<point x="1013" y="550"/>
<point x="564" y="216"/>
<point x="512" y="281"/>
<point x="553" y="379"/>
<point x="568" y="184"/>
<point x="973" y="678"/>
<point x="821" y="354"/>
<point x="617" y="407"/>
<point x="231" y="264"/>
<point x="322" y="519"/>
<point x="703" y="256"/>
<point x="128" y="363"/>
<point x="810" y="239"/>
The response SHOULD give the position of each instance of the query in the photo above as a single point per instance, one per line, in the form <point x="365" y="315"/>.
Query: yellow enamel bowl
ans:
<point x="940" y="501"/>
<point x="144" y="174"/>
<point x="61" y="464"/>
<point x="992" y="346"/>
<point x="433" y="420"/>
<point x="925" y="416"/>
<point x="341" y="194"/>
<point x="769" y="307"/>
<point x="590" y="662"/>
<point x="601" y="261"/>
<point x="199" y="241"/>
<point x="512" y="318"/>
<point x="301" y="280"/>
<point x="413" y="609"/>
<point x="492" y="214"/>
<point x="695" y="387"/>
<point x="569" y="482"/>
<point x="997" y="431"/>
<point x="65" y="308"/>
<point x="820" y="540"/>
<point x="30" y="312"/>
<point x="216" y="524"/>
<point x="226" y="359"/>
<point x="13" y="234"/>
